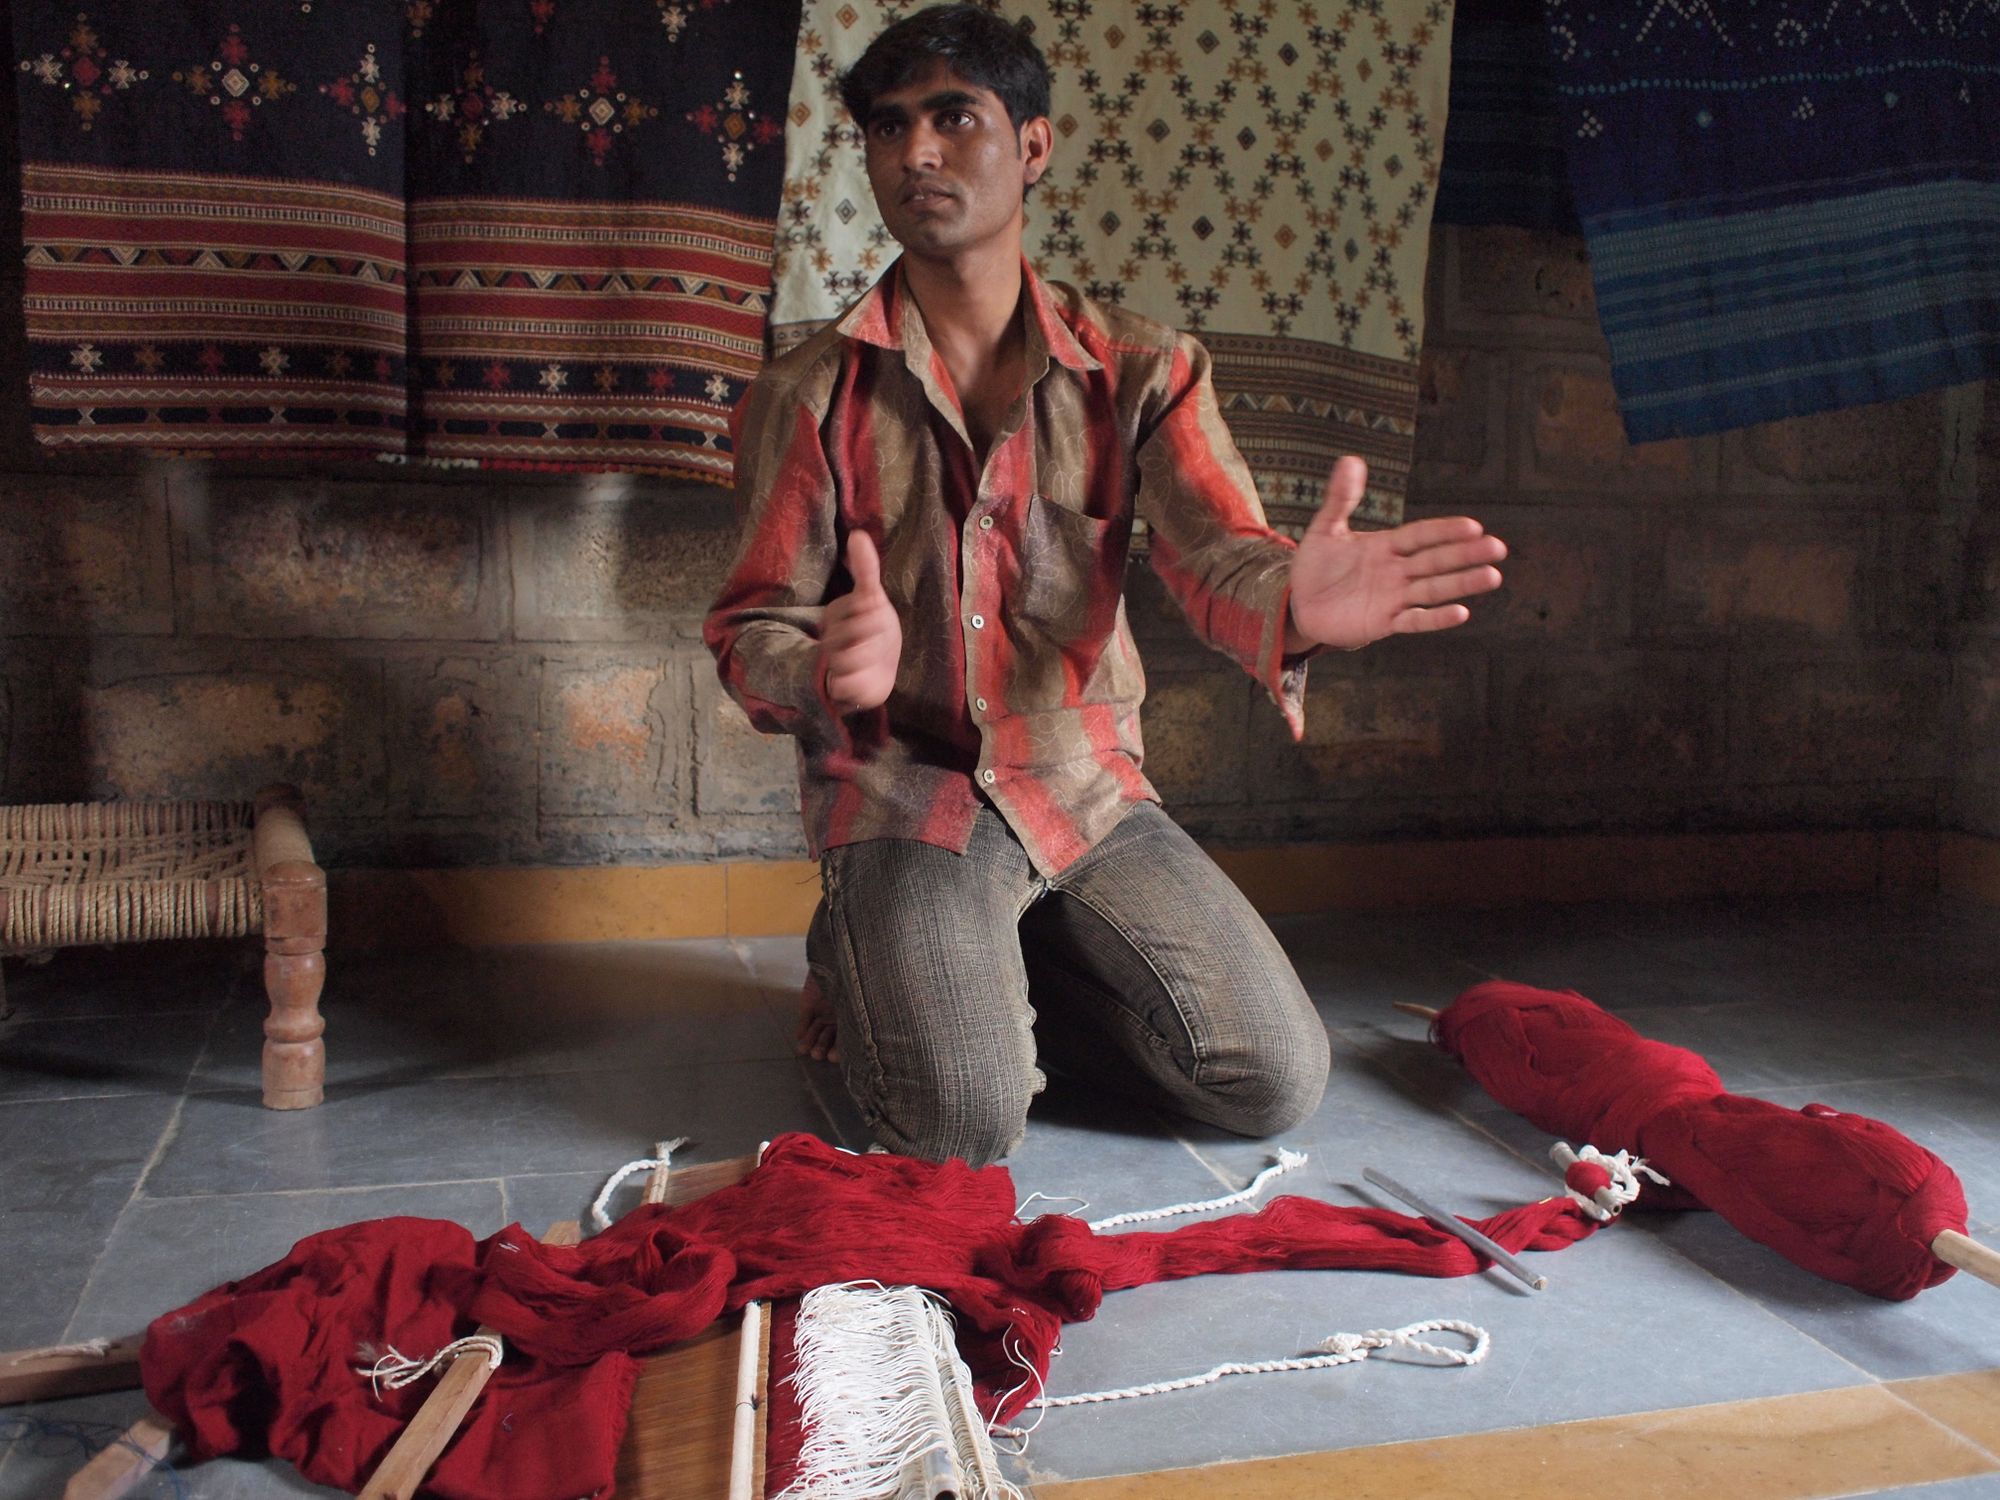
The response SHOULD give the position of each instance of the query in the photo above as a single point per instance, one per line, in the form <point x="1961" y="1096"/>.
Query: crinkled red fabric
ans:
<point x="267" y="1363"/>
<point x="1843" y="1196"/>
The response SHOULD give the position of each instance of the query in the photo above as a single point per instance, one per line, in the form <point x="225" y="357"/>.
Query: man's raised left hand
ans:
<point x="1353" y="587"/>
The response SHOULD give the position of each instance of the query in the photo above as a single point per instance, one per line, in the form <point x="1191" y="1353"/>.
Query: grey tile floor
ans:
<point x="137" y="1168"/>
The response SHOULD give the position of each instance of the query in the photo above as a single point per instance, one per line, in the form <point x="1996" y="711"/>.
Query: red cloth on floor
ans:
<point x="1844" y="1196"/>
<point x="267" y="1363"/>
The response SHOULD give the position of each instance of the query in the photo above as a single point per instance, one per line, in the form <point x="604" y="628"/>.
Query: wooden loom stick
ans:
<point x="1960" y="1250"/>
<point x="115" y="1471"/>
<point x="749" y="1404"/>
<point x="1426" y="1012"/>
<point x="1452" y="1225"/>
<point x="59" y="1370"/>
<point x="437" y="1421"/>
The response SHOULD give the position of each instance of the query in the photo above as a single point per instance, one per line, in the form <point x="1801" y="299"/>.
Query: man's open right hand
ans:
<point x="861" y="640"/>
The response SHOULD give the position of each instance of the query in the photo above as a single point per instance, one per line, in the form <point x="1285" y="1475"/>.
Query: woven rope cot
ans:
<point x="128" y="872"/>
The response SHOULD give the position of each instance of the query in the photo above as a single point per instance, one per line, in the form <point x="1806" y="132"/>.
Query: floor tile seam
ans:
<point x="168" y="1132"/>
<point x="1983" y="1449"/>
<point x="813" y="1092"/>
<point x="143" y="1013"/>
<point x="1171" y="1124"/>
<point x="331" y="1190"/>
<point x="210" y="1089"/>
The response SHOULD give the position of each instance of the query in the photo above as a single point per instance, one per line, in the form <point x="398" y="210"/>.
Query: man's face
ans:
<point x="948" y="167"/>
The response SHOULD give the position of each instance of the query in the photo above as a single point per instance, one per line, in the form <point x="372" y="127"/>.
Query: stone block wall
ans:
<point x="1974" y="805"/>
<point x="1748" y="631"/>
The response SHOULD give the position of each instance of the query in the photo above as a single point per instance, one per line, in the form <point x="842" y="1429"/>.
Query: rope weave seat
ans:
<point x="128" y="872"/>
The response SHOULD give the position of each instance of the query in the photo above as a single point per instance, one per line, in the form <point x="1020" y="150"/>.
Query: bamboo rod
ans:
<point x="59" y="1370"/>
<point x="119" y="1468"/>
<point x="437" y="1421"/>
<point x="1426" y="1012"/>
<point x="743" y="1439"/>
<point x="1956" y="1249"/>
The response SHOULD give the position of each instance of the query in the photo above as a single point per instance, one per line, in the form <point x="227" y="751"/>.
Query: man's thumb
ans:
<point x="1345" y="488"/>
<point x="864" y="563"/>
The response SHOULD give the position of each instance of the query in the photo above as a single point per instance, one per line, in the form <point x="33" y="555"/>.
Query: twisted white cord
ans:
<point x="396" y="1369"/>
<point x="1286" y="1161"/>
<point x="1624" y="1168"/>
<point x="600" y="1219"/>
<point x="1342" y="1349"/>
<point x="88" y="1348"/>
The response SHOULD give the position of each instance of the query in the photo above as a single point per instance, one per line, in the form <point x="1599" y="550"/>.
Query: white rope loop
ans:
<point x="1341" y="1349"/>
<point x="599" y="1217"/>
<point x="395" y="1369"/>
<point x="1611" y="1200"/>
<point x="1287" y="1161"/>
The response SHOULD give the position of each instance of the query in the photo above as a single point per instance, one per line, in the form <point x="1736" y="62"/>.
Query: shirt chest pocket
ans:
<point x="1072" y="570"/>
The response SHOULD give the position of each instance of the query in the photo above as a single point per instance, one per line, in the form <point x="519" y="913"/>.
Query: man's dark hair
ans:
<point x="982" y="48"/>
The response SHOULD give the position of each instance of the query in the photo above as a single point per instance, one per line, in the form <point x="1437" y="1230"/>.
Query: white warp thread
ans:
<point x="396" y="1369"/>
<point x="1342" y="1349"/>
<point x="1287" y="1160"/>
<point x="599" y="1218"/>
<point x="88" y="1348"/>
<point x="887" y="1402"/>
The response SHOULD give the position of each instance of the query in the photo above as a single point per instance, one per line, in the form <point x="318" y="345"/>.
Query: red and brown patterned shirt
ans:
<point x="1019" y="682"/>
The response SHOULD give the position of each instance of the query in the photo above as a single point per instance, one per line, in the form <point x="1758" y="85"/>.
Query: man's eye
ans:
<point x="883" y="129"/>
<point x="958" y="119"/>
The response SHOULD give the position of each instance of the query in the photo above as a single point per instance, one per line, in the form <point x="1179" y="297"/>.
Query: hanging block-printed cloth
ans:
<point x="1260" y="175"/>
<point x="213" y="226"/>
<point x="518" y="231"/>
<point x="1791" y="207"/>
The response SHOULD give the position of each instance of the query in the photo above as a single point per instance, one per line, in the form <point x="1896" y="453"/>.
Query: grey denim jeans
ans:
<point x="1141" y="966"/>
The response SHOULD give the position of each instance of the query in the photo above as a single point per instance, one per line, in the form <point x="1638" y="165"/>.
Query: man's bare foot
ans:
<point x="816" y="1027"/>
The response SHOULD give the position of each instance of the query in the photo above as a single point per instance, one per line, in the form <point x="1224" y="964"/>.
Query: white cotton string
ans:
<point x="1342" y="1349"/>
<point x="1081" y="1203"/>
<point x="599" y="1218"/>
<point x="90" y="1348"/>
<point x="1286" y="1161"/>
<point x="1610" y="1200"/>
<point x="396" y="1369"/>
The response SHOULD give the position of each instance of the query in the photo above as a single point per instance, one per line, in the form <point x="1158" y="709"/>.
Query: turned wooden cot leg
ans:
<point x="294" y="952"/>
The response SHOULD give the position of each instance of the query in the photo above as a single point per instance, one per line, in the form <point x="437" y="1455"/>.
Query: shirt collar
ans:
<point x="878" y="318"/>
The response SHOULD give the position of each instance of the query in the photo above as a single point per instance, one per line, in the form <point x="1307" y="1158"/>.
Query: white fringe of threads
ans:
<point x="396" y="1369"/>
<point x="1287" y="1161"/>
<point x="888" y="1406"/>
<point x="1609" y="1201"/>
<point x="599" y="1218"/>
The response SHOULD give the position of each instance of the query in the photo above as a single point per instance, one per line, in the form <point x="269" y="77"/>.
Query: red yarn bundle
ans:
<point x="268" y="1364"/>
<point x="1845" y="1197"/>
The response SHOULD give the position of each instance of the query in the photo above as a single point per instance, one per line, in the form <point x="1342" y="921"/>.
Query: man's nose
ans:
<point x="922" y="148"/>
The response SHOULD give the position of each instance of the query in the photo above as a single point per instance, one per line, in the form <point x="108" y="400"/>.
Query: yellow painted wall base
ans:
<point x="760" y="898"/>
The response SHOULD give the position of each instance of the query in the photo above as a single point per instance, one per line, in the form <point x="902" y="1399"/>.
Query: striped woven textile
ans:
<point x="533" y="233"/>
<point x="1790" y="208"/>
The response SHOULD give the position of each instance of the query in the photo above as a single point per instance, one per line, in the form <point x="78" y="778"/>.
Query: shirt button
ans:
<point x="980" y="704"/>
<point x="988" y="777"/>
<point x="979" y="622"/>
<point x="985" y="523"/>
